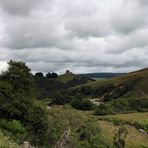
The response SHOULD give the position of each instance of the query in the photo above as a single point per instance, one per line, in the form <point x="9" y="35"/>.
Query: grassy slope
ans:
<point x="141" y="118"/>
<point x="67" y="77"/>
<point x="140" y="90"/>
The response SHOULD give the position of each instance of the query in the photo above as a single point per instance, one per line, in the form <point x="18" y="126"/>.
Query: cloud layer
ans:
<point x="81" y="35"/>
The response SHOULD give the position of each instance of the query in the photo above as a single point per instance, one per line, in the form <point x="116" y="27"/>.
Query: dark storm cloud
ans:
<point x="81" y="35"/>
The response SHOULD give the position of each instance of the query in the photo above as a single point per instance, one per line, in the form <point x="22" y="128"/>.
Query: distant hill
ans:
<point x="134" y="84"/>
<point x="64" y="78"/>
<point x="102" y="75"/>
<point x="121" y="94"/>
<point x="47" y="87"/>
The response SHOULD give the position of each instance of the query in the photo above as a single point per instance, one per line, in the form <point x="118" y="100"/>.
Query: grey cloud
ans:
<point x="81" y="35"/>
<point x="32" y="32"/>
<point x="122" y="43"/>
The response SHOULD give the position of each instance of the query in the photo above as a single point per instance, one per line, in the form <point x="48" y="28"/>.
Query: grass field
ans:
<point x="141" y="118"/>
<point x="135" y="138"/>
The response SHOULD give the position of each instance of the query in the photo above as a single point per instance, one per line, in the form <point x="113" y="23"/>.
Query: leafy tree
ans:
<point x="20" y="77"/>
<point x="104" y="109"/>
<point x="82" y="104"/>
<point x="39" y="74"/>
<point x="51" y="75"/>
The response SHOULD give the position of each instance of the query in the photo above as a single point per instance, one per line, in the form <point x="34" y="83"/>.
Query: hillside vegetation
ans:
<point x="120" y="94"/>
<point x="48" y="87"/>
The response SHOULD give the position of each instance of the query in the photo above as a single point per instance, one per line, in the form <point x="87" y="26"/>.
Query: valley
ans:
<point x="72" y="111"/>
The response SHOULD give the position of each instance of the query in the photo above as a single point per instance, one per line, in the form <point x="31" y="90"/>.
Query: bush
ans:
<point x="103" y="109"/>
<point x="13" y="126"/>
<point x="60" y="98"/>
<point x="90" y="136"/>
<point x="83" y="104"/>
<point x="140" y="105"/>
<point x="99" y="91"/>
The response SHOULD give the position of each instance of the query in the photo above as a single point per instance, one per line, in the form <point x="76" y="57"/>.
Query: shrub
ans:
<point x="83" y="104"/>
<point x="90" y="136"/>
<point x="13" y="126"/>
<point x="103" y="109"/>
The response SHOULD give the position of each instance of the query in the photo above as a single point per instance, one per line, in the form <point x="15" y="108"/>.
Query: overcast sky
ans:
<point x="80" y="35"/>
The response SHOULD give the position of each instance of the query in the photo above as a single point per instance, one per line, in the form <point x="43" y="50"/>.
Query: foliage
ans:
<point x="47" y="88"/>
<point x="140" y="105"/>
<point x="39" y="74"/>
<point x="104" y="109"/>
<point x="90" y="136"/>
<point x="82" y="104"/>
<point x="51" y="75"/>
<point x="122" y="106"/>
<point x="61" y="98"/>
<point x="17" y="92"/>
<point x="20" y="78"/>
<point x="13" y="126"/>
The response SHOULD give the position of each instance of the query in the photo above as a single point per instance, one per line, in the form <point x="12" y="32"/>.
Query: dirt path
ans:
<point x="96" y="101"/>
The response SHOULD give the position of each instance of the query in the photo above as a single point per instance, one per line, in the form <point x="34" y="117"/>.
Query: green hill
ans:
<point x="67" y="77"/>
<point x="117" y="95"/>
<point x="131" y="84"/>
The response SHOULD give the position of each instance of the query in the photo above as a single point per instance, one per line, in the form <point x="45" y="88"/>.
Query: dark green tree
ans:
<point x="20" y="77"/>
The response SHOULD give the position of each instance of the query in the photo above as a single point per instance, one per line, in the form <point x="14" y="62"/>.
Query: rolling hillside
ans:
<point x="134" y="84"/>
<point x="123" y="94"/>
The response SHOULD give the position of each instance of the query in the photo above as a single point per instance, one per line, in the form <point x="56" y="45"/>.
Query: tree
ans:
<point x="39" y="74"/>
<point x="51" y="75"/>
<point x="20" y="77"/>
<point x="54" y="75"/>
<point x="48" y="75"/>
<point x="83" y="104"/>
